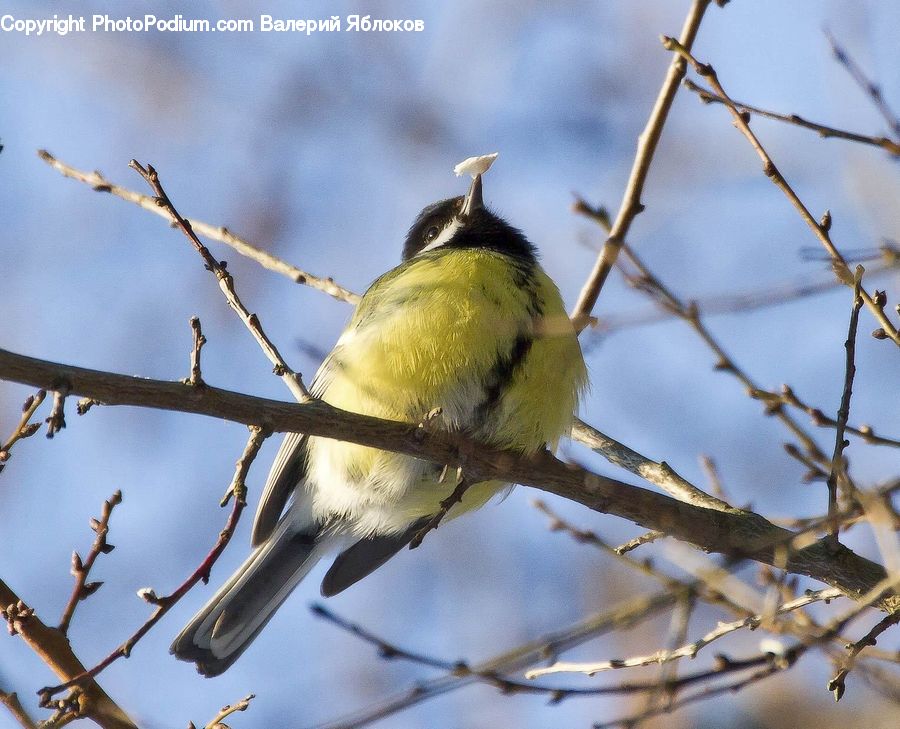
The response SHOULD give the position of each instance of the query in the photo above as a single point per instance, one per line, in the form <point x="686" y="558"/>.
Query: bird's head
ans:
<point x="464" y="222"/>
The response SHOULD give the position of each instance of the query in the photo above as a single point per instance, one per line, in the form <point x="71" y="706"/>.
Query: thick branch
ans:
<point x="736" y="534"/>
<point x="54" y="649"/>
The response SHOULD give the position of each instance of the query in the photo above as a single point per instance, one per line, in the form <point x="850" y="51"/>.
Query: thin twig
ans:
<point x="631" y="202"/>
<point x="647" y="282"/>
<point x="821" y="228"/>
<point x="824" y="131"/>
<point x="620" y="617"/>
<point x="708" y="464"/>
<point x="463" y="673"/>
<point x="772" y="665"/>
<point x="462" y="485"/>
<point x="668" y="672"/>
<point x="226" y="283"/>
<point x="196" y="377"/>
<point x="730" y="303"/>
<point x="837" y="458"/>
<point x="837" y="684"/>
<point x="81" y="569"/>
<point x="57" y="420"/>
<point x="689" y="650"/>
<point x="24" y="428"/>
<point x="165" y="603"/>
<point x="226" y="711"/>
<point x="640" y="539"/>
<point x="220" y="234"/>
<point x="866" y="433"/>
<point x="869" y="87"/>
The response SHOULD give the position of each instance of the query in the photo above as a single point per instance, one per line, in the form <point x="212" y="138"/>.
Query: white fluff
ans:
<point x="475" y="165"/>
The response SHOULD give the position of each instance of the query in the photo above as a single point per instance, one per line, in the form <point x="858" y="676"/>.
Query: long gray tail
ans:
<point x="218" y="634"/>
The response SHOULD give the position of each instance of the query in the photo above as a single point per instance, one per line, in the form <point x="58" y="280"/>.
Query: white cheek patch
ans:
<point x="445" y="236"/>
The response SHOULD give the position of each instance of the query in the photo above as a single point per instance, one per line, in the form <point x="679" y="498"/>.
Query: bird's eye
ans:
<point x="432" y="233"/>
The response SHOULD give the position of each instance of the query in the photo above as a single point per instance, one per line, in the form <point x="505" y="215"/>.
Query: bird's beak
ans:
<point x="473" y="200"/>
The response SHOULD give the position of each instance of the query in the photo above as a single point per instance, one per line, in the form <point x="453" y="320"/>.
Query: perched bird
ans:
<point x="468" y="326"/>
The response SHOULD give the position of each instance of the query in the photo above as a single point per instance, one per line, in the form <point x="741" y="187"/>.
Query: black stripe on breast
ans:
<point x="504" y="369"/>
<point x="501" y="375"/>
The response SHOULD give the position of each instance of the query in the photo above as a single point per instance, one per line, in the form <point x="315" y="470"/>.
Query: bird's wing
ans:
<point x="364" y="557"/>
<point x="289" y="468"/>
<point x="287" y="471"/>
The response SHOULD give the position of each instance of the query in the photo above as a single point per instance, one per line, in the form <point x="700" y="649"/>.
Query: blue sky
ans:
<point x="323" y="149"/>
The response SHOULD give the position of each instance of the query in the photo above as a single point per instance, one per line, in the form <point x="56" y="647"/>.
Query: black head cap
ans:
<point x="464" y="222"/>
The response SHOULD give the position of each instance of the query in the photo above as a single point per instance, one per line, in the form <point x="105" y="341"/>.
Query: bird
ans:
<point x="467" y="330"/>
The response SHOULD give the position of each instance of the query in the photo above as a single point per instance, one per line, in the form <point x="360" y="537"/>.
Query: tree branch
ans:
<point x="226" y="283"/>
<point x="739" y="534"/>
<point x="54" y="650"/>
<point x="631" y="202"/>
<point x="218" y="233"/>
<point x="889" y="145"/>
<point x="819" y="228"/>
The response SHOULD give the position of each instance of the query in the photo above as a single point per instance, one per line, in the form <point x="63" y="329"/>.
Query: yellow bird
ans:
<point x="468" y="325"/>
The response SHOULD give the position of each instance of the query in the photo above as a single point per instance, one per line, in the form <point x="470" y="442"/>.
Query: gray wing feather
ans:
<point x="286" y="472"/>
<point x="364" y="557"/>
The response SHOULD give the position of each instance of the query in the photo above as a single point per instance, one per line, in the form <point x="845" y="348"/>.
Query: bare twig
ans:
<point x="649" y="283"/>
<point x="196" y="377"/>
<point x="660" y="474"/>
<point x="712" y="475"/>
<point x="81" y="569"/>
<point x="821" y="228"/>
<point x="389" y="651"/>
<point x="24" y="428"/>
<point x="889" y="145"/>
<point x="227" y="711"/>
<point x="837" y="685"/>
<point x="866" y="433"/>
<point x="57" y="420"/>
<point x="14" y="706"/>
<point x="238" y="486"/>
<point x="870" y="88"/>
<point x="668" y="672"/>
<point x="771" y="665"/>
<point x="164" y="604"/>
<point x="217" y="233"/>
<point x="837" y="459"/>
<point x="640" y="539"/>
<point x="462" y="485"/>
<point x="731" y="303"/>
<point x="631" y="203"/>
<point x="620" y="617"/>
<point x="689" y="650"/>
<point x="226" y="283"/>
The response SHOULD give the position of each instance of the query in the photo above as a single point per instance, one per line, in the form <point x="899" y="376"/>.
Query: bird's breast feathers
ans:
<point x="478" y="334"/>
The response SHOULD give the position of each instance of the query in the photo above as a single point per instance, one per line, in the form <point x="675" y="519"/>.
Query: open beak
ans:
<point x="473" y="200"/>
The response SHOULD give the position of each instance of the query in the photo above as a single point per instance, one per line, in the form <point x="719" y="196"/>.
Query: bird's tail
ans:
<point x="218" y="634"/>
